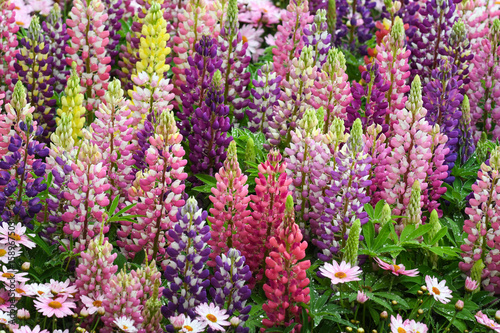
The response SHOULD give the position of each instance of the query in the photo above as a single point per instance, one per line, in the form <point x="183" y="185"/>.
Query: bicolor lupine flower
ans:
<point x="87" y="194"/>
<point x="8" y="50"/>
<point x="186" y="273"/>
<point x="483" y="226"/>
<point x="111" y="133"/>
<point x="332" y="90"/>
<point x="271" y="186"/>
<point x="287" y="283"/>
<point x="337" y="10"/>
<point x="410" y="155"/>
<point x="196" y="20"/>
<point x="392" y="57"/>
<point x="210" y="125"/>
<point x="232" y="51"/>
<point x="460" y="53"/>
<point x="265" y="92"/>
<point x="55" y="29"/>
<point x="159" y="190"/>
<point x="289" y="40"/>
<point x="346" y="197"/>
<point x="484" y="93"/>
<point x="34" y="68"/>
<point x="115" y="11"/>
<point x="427" y="44"/>
<point x="301" y="76"/>
<point x="123" y="296"/>
<point x="228" y="286"/>
<point x="316" y="34"/>
<point x="230" y="199"/>
<point x="72" y="110"/>
<point x="359" y="21"/>
<point x="375" y="108"/>
<point x="202" y="66"/>
<point x="95" y="271"/>
<point x="86" y="27"/>
<point x="442" y="99"/>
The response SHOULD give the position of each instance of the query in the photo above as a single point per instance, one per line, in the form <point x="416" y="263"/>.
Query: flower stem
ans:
<point x="451" y="321"/>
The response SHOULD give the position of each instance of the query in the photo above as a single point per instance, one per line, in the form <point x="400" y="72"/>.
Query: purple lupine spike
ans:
<point x="442" y="99"/>
<point x="407" y="10"/>
<point x="428" y="43"/>
<point x="466" y="138"/>
<point x="317" y="36"/>
<point x="361" y="21"/>
<point x="116" y="10"/>
<point x="376" y="105"/>
<point x="317" y="5"/>
<point x="346" y="197"/>
<point x="228" y="286"/>
<point x="210" y="124"/>
<point x="55" y="28"/>
<point x="266" y="93"/>
<point x="460" y="53"/>
<point x="337" y="10"/>
<point x="203" y="65"/>
<point x="186" y="275"/>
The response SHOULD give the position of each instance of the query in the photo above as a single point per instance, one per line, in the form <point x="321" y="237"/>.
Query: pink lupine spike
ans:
<point x="377" y="148"/>
<point x="229" y="213"/>
<point x="8" y="51"/>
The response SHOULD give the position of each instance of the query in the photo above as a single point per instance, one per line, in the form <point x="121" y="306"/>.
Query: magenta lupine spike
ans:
<point x="289" y="40"/>
<point x="376" y="146"/>
<point x="297" y="93"/>
<point x="268" y="206"/>
<point x="437" y="171"/>
<point x="8" y="51"/>
<point x="87" y="48"/>
<point x="158" y="191"/>
<point x="392" y="57"/>
<point x="410" y="156"/>
<point x="485" y="98"/>
<point x="287" y="283"/>
<point x="94" y="271"/>
<point x="483" y="225"/>
<point x="196" y="20"/>
<point x="87" y="194"/>
<point x="111" y="133"/>
<point x="332" y="90"/>
<point x="306" y="161"/>
<point x="266" y="93"/>
<point x="123" y="297"/>
<point x="230" y="199"/>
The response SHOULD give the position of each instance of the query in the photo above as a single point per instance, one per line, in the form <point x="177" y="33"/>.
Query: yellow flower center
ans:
<point x="401" y="330"/>
<point x="396" y="267"/>
<point x="2" y="252"/>
<point x="212" y="318"/>
<point x="2" y="301"/>
<point x="436" y="291"/>
<point x="40" y="292"/>
<point x="20" y="291"/>
<point x="125" y="327"/>
<point x="8" y="275"/>
<point x="189" y="328"/>
<point x="55" y="305"/>
<point x="340" y="275"/>
<point x="97" y="303"/>
<point x="245" y="39"/>
<point x="15" y="237"/>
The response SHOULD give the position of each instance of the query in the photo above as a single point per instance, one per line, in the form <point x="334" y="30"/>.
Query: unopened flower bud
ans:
<point x="101" y="311"/>
<point x="84" y="313"/>
<point x="361" y="330"/>
<point x="423" y="288"/>
<point x="420" y="311"/>
<point x="235" y="321"/>
<point x="23" y="314"/>
<point x="497" y="315"/>
<point x="459" y="305"/>
<point x="348" y="329"/>
<point x="26" y="266"/>
<point x="384" y="315"/>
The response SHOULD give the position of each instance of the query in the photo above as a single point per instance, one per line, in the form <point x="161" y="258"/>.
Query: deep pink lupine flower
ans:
<point x="396" y="269"/>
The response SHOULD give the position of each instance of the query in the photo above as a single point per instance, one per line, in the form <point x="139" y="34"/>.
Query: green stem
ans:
<point x="451" y="321"/>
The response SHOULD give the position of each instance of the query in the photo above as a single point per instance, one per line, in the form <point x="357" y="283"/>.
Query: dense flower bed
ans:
<point x="243" y="166"/>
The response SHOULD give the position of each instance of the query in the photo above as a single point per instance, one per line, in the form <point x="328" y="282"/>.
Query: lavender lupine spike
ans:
<point x="209" y="138"/>
<point x="203" y="65"/>
<point x="332" y="90"/>
<point x="228" y="286"/>
<point x="459" y="53"/>
<point x="316" y="35"/>
<point x="34" y="67"/>
<point x="186" y="275"/>
<point x="55" y="28"/>
<point x="428" y="43"/>
<point x="466" y="140"/>
<point x="347" y="196"/>
<point x="442" y="99"/>
<point x="232" y="50"/>
<point x="293" y="102"/>
<point x="265" y="92"/>
<point x="376" y="105"/>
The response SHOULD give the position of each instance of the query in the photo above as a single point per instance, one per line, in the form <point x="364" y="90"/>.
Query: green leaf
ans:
<point x="442" y="250"/>
<point x="126" y="209"/>
<point x="368" y="233"/>
<point x="139" y="257"/>
<point x="440" y="234"/>
<point x="40" y="242"/>
<point x="204" y="188"/>
<point x="369" y="211"/>
<point x="391" y="296"/>
<point x="382" y="237"/>
<point x="113" y="206"/>
<point x="209" y="180"/>
<point x="407" y="230"/>
<point x="120" y="261"/>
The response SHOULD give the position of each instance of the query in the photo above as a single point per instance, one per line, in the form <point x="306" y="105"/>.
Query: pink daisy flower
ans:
<point x="8" y="275"/>
<point x="396" y="269"/>
<point x="125" y="324"/>
<point x="213" y="316"/>
<point x="22" y="290"/>
<point x="39" y="290"/>
<point x="23" y="17"/>
<point x="59" y="307"/>
<point x="177" y="321"/>
<point x="4" y="317"/>
<point x="416" y="327"/>
<point x="93" y="304"/>
<point x="193" y="326"/>
<point x="398" y="326"/>
<point x="18" y="235"/>
<point x="260" y="12"/>
<point x="14" y="253"/>
<point x="439" y="290"/>
<point x="470" y="285"/>
<point x="340" y="273"/>
<point x="4" y="300"/>
<point x="26" y="329"/>
<point x="361" y="298"/>
<point x="253" y="38"/>
<point x="484" y="320"/>
<point x="59" y="288"/>
<point x="42" y="6"/>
